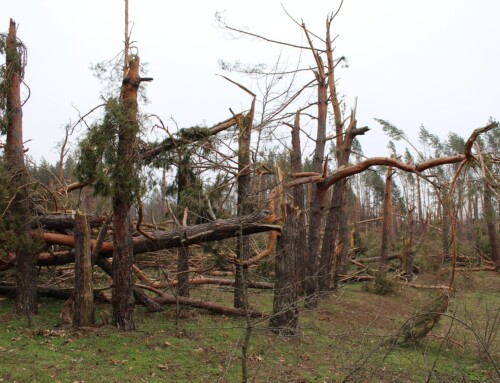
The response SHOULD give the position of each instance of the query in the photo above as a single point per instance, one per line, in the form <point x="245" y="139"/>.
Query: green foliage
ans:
<point x="98" y="158"/>
<point x="391" y="130"/>
<point x="381" y="286"/>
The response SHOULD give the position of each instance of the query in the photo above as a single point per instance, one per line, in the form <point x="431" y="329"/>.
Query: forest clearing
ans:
<point x="266" y="247"/>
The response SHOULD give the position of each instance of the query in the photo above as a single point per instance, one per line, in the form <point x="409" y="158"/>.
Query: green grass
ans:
<point x="345" y="336"/>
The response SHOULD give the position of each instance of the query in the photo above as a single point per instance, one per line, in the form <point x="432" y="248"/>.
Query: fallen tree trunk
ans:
<point x="188" y="235"/>
<point x="164" y="299"/>
<point x="215" y="281"/>
<point x="61" y="222"/>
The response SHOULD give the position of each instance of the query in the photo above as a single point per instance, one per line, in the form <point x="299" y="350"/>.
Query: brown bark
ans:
<point x="14" y="154"/>
<point x="84" y="289"/>
<point x="285" y="307"/>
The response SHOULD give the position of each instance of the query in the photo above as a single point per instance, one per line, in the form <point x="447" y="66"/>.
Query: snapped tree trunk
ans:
<point x="285" y="308"/>
<point x="84" y="289"/>
<point x="22" y="244"/>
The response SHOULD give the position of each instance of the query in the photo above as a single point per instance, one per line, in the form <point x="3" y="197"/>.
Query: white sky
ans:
<point x="430" y="62"/>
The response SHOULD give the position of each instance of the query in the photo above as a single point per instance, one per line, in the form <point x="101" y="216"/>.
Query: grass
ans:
<point x="345" y="338"/>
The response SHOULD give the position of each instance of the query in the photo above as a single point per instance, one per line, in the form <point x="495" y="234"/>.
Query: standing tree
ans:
<point x="20" y="241"/>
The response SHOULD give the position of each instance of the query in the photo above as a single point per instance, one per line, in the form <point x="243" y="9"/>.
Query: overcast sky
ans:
<point x="430" y="62"/>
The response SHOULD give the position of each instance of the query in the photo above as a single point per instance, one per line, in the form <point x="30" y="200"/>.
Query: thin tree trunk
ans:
<point x="84" y="289"/>
<point x="26" y="302"/>
<point x="298" y="201"/>
<point x="244" y="206"/>
<point x="183" y="251"/>
<point x="445" y="240"/>
<point x="318" y="196"/>
<point x="489" y="213"/>
<point x="285" y="308"/>
<point x="386" y="223"/>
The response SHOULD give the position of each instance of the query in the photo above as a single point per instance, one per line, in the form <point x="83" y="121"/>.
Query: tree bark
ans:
<point x="84" y="289"/>
<point x="26" y="302"/>
<point x="285" y="308"/>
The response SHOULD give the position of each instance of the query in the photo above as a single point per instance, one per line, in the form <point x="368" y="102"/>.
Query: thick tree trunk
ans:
<point x="19" y="212"/>
<point x="386" y="223"/>
<point x="125" y="174"/>
<point x="489" y="213"/>
<point x="84" y="289"/>
<point x="285" y="308"/>
<point x="318" y="194"/>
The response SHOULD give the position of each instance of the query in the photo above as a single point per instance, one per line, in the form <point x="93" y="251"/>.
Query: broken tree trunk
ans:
<point x="84" y="289"/>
